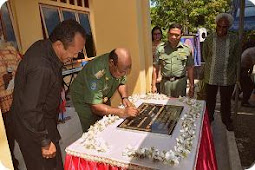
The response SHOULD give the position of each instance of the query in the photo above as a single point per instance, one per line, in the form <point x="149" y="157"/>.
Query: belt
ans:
<point x="173" y="78"/>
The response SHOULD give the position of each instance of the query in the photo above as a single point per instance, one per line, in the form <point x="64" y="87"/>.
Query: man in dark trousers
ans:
<point x="36" y="99"/>
<point x="220" y="52"/>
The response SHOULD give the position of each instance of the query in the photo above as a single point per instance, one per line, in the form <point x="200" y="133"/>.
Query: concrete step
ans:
<point x="227" y="154"/>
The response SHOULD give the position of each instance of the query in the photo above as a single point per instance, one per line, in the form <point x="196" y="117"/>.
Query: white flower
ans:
<point x="142" y="152"/>
<point x="171" y="158"/>
<point x="129" y="151"/>
<point x="90" y="140"/>
<point x="157" y="156"/>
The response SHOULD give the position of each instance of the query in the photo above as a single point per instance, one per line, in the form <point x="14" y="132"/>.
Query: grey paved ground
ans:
<point x="244" y="124"/>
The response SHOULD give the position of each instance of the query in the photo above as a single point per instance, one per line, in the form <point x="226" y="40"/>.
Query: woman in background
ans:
<point x="156" y="34"/>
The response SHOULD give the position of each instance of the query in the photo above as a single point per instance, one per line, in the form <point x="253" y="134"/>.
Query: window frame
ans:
<point x="43" y="18"/>
<point x="60" y="10"/>
<point x="14" y="26"/>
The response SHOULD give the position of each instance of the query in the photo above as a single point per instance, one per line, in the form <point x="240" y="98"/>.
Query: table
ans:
<point x="202" y="156"/>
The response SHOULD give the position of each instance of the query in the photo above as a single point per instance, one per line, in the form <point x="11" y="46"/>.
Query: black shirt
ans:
<point x="36" y="99"/>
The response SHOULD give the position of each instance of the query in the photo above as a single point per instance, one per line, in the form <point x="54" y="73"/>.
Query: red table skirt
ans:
<point x="206" y="156"/>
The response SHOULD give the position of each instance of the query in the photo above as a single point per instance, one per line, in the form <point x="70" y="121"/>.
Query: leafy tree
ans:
<point x="190" y="13"/>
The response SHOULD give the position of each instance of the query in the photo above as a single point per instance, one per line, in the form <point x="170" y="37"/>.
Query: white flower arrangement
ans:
<point x="90" y="139"/>
<point x="149" y="96"/>
<point x="184" y="141"/>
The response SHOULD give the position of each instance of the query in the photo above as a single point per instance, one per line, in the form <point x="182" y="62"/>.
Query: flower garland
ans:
<point x="183" y="143"/>
<point x="149" y="96"/>
<point x="90" y="139"/>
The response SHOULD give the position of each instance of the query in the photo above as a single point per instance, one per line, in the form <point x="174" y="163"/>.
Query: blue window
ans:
<point x="7" y="25"/>
<point x="84" y="21"/>
<point x="51" y="18"/>
<point x="68" y="15"/>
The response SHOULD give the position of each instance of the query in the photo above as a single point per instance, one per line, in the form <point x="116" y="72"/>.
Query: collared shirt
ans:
<point x="154" y="47"/>
<point x="9" y="59"/>
<point x="173" y="61"/>
<point x="37" y="90"/>
<point x="94" y="83"/>
<point x="221" y="59"/>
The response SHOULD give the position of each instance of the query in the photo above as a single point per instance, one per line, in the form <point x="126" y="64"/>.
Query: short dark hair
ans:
<point x="154" y="29"/>
<point x="175" y="25"/>
<point x="65" y="32"/>
<point x="113" y="56"/>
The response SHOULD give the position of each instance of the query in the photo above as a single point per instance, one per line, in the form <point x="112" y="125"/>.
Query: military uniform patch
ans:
<point x="99" y="74"/>
<point x="93" y="85"/>
<point x="105" y="99"/>
<point x="162" y="62"/>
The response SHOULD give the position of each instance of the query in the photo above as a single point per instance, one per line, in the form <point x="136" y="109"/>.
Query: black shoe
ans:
<point x="247" y="104"/>
<point x="211" y="120"/>
<point x="60" y="121"/>
<point x="67" y="118"/>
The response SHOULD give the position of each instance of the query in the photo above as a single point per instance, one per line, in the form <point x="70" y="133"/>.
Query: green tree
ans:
<point x="190" y="13"/>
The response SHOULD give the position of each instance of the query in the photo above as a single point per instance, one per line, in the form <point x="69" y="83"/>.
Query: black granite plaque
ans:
<point x="156" y="118"/>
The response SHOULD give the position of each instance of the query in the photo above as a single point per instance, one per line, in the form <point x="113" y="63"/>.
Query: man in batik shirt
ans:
<point x="220" y="52"/>
<point x="9" y="60"/>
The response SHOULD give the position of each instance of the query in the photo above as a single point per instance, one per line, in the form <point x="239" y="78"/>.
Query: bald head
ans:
<point x="124" y="57"/>
<point x="120" y="62"/>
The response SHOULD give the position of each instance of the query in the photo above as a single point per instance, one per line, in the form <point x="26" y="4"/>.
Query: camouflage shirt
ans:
<point x="94" y="83"/>
<point x="173" y="61"/>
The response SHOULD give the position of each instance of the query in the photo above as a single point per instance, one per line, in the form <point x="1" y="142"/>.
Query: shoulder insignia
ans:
<point x="93" y="85"/>
<point x="99" y="74"/>
<point x="161" y="44"/>
<point x="186" y="45"/>
<point x="105" y="99"/>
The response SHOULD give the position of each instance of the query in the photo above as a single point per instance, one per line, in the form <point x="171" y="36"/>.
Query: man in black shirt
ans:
<point x="36" y="97"/>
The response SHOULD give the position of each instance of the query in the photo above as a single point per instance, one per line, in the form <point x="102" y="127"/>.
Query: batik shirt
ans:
<point x="221" y="59"/>
<point x="9" y="59"/>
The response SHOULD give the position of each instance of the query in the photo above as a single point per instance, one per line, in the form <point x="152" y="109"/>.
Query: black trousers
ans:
<point x="158" y="87"/>
<point x="10" y="137"/>
<point x="32" y="153"/>
<point x="225" y="101"/>
<point x="246" y="84"/>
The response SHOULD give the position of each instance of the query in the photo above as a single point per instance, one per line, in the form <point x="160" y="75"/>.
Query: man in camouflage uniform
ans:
<point x="95" y="85"/>
<point x="175" y="59"/>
